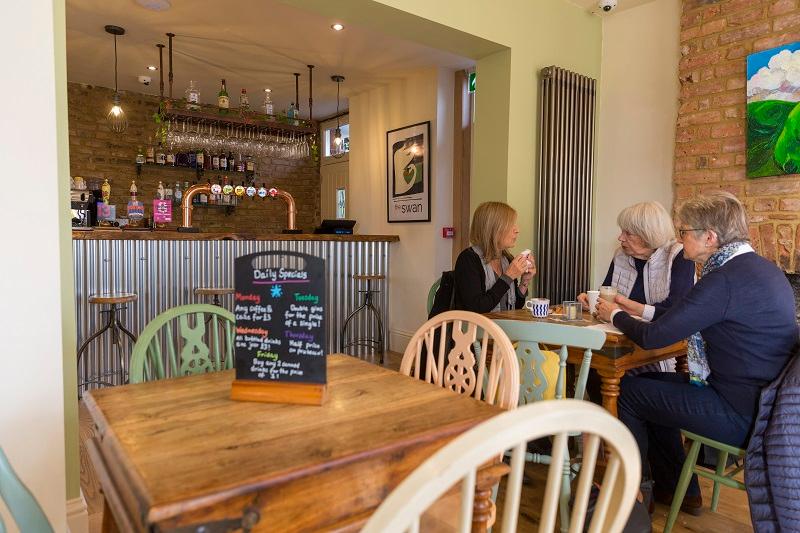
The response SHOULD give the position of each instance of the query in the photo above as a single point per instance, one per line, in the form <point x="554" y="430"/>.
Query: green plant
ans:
<point x="161" y="123"/>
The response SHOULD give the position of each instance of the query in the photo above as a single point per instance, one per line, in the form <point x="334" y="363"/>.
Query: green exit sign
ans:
<point x="472" y="82"/>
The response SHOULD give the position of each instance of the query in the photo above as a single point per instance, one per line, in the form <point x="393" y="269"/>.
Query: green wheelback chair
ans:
<point x="719" y="476"/>
<point x="205" y="346"/>
<point x="20" y="502"/>
<point x="537" y="376"/>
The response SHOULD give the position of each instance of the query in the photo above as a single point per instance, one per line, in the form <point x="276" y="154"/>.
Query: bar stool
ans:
<point x="115" y="301"/>
<point x="372" y="313"/>
<point x="214" y="292"/>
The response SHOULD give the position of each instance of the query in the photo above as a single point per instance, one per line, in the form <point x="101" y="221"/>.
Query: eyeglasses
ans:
<point x="682" y="232"/>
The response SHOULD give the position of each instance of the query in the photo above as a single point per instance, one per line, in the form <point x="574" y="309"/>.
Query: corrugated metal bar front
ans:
<point x="564" y="197"/>
<point x="164" y="274"/>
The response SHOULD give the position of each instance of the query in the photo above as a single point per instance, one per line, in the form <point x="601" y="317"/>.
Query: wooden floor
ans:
<point x="733" y="515"/>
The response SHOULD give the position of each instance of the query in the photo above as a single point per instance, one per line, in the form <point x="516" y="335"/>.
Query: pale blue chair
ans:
<point x="20" y="502"/>
<point x="206" y="346"/>
<point x="534" y="380"/>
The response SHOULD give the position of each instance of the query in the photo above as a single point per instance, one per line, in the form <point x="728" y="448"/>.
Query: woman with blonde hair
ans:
<point x="487" y="277"/>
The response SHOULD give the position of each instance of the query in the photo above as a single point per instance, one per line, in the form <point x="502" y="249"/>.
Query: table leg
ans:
<point x="109" y="525"/>
<point x="609" y="388"/>
<point x="682" y="364"/>
<point x="484" y="510"/>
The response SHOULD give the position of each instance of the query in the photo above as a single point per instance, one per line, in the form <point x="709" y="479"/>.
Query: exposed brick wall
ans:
<point x="97" y="152"/>
<point x="716" y="38"/>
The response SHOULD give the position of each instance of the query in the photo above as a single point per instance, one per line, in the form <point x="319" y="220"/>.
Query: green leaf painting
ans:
<point x="773" y="112"/>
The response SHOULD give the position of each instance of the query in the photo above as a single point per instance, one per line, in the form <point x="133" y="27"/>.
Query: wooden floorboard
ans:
<point x="733" y="515"/>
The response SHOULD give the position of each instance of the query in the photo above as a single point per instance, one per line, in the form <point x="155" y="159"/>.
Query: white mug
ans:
<point x="538" y="307"/>
<point x="592" y="296"/>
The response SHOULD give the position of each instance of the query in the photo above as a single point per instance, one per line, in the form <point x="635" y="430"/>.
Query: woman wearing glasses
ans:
<point x="740" y="323"/>
<point x="649" y="270"/>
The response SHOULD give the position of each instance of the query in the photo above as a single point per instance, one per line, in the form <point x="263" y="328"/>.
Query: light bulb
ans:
<point x="116" y="118"/>
<point x="337" y="137"/>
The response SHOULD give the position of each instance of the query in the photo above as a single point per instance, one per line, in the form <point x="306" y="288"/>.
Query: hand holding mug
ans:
<point x="584" y="300"/>
<point x="604" y="309"/>
<point x="628" y="305"/>
<point x="517" y="267"/>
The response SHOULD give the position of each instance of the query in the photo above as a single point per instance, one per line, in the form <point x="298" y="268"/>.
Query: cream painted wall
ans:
<point x="636" y="121"/>
<point x="421" y="255"/>
<point x="34" y="308"/>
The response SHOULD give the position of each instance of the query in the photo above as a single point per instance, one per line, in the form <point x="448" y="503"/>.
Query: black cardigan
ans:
<point x="470" y="285"/>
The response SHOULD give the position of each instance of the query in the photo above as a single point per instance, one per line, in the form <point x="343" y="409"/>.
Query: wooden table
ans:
<point x="618" y="354"/>
<point x="176" y="454"/>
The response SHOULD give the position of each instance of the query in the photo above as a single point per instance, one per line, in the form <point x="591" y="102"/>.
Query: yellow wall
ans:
<point x="636" y="122"/>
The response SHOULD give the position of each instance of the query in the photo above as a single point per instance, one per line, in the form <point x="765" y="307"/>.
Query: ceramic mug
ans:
<point x="592" y="297"/>
<point x="538" y="307"/>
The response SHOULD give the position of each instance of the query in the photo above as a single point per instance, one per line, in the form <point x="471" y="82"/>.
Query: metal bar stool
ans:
<point x="215" y="293"/>
<point x="115" y="301"/>
<point x="372" y="312"/>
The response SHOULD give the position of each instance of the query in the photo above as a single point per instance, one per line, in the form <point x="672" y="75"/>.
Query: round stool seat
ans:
<point x="361" y="277"/>
<point x="213" y="291"/>
<point x="113" y="298"/>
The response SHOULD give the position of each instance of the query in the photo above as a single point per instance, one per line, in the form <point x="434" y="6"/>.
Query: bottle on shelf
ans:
<point x="223" y="101"/>
<point x="191" y="158"/>
<point x="231" y="162"/>
<point x="161" y="158"/>
<point x="200" y="159"/>
<point x="170" y="158"/>
<point x="193" y="97"/>
<point x="151" y="151"/>
<point x="240" y="164"/>
<point x="177" y="193"/>
<point x="268" y="108"/>
<point x="204" y="197"/>
<point x="160" y="191"/>
<point x="244" y="102"/>
<point x="290" y="113"/>
<point x="140" y="156"/>
<point x="223" y="161"/>
<point x="215" y="162"/>
<point x="250" y="164"/>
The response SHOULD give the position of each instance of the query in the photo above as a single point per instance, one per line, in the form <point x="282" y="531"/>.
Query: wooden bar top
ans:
<point x="159" y="235"/>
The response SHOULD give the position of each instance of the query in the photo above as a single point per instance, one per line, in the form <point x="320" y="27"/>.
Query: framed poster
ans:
<point x="408" y="173"/>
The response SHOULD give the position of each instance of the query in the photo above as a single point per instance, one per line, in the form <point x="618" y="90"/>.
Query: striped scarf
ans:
<point x="698" y="363"/>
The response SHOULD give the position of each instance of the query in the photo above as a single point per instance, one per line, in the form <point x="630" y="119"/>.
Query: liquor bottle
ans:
<point x="178" y="193"/>
<point x="223" y="101"/>
<point x="240" y="164"/>
<point x="191" y="157"/>
<point x="200" y="159"/>
<point x="170" y="158"/>
<point x="244" y="102"/>
<point x="151" y="151"/>
<point x="250" y="164"/>
<point x="140" y="156"/>
<point x="268" y="108"/>
<point x="168" y="193"/>
<point x="231" y="162"/>
<point x="105" y="191"/>
<point x="193" y="97"/>
<point x="290" y="113"/>
<point x="215" y="162"/>
<point x="160" y="191"/>
<point x="223" y="161"/>
<point x="161" y="158"/>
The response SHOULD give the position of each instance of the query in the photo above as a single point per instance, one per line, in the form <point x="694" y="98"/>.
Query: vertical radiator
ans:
<point x="564" y="198"/>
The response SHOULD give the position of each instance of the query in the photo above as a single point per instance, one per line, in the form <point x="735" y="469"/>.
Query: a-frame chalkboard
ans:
<point x="280" y="328"/>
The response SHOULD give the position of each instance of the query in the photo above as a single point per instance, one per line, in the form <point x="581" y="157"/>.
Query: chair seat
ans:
<point x="362" y="277"/>
<point x="213" y="291"/>
<point x="113" y="298"/>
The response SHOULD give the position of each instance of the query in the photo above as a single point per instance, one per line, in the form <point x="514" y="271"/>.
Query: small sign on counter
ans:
<point x="162" y="211"/>
<point x="280" y="328"/>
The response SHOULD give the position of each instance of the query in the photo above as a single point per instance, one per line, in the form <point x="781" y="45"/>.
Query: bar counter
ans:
<point x="165" y="267"/>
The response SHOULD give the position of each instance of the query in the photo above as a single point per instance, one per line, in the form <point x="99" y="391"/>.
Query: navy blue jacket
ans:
<point x="772" y="464"/>
<point x="745" y="311"/>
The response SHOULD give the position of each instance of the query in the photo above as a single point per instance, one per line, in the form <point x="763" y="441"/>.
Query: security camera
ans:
<point x="145" y="80"/>
<point x="607" y="5"/>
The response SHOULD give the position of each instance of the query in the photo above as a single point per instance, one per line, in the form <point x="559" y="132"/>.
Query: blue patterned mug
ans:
<point x="538" y="307"/>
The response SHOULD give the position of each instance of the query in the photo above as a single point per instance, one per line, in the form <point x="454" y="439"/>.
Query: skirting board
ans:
<point x="77" y="515"/>
<point x="399" y="339"/>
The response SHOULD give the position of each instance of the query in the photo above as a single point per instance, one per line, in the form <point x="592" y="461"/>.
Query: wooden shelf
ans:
<point x="194" y="169"/>
<point x="256" y="120"/>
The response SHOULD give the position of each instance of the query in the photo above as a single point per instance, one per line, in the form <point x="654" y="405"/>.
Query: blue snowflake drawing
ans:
<point x="276" y="291"/>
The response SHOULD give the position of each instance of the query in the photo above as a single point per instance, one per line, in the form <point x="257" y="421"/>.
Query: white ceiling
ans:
<point x="622" y="5"/>
<point x="251" y="43"/>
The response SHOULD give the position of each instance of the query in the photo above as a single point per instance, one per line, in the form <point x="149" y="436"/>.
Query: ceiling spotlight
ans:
<point x="337" y="27"/>
<point x="155" y="5"/>
<point x="152" y="67"/>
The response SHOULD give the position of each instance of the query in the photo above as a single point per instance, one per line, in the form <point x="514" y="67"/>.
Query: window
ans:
<point x="331" y="149"/>
<point x="340" y="203"/>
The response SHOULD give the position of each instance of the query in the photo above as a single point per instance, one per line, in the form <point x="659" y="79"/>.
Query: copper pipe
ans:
<point x="186" y="203"/>
<point x="292" y="208"/>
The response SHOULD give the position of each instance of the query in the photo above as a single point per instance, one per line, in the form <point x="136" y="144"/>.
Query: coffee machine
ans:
<point x="83" y="207"/>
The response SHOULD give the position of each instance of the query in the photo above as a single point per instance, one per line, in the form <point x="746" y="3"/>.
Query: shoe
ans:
<point x="692" y="505"/>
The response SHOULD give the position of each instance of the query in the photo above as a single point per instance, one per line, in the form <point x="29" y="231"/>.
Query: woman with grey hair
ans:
<point x="649" y="270"/>
<point x="740" y="323"/>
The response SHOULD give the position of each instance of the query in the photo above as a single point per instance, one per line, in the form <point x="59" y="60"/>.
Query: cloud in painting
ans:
<point x="779" y="80"/>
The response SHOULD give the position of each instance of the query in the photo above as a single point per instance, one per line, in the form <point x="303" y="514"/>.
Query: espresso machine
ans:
<point x="83" y="204"/>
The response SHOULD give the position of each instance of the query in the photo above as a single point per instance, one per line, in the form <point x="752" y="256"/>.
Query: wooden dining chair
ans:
<point x="22" y="505"/>
<point x="535" y="380"/>
<point x="455" y="347"/>
<point x="182" y="341"/>
<point x="459" y="461"/>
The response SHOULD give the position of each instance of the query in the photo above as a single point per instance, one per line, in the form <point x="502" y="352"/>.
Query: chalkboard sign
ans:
<point x="280" y="328"/>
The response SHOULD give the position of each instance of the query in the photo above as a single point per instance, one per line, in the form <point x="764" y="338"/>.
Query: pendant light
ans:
<point x="337" y="133"/>
<point x="116" y="118"/>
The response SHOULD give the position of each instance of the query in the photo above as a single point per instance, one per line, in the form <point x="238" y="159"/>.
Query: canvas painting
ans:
<point x="408" y="173"/>
<point x="773" y="114"/>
